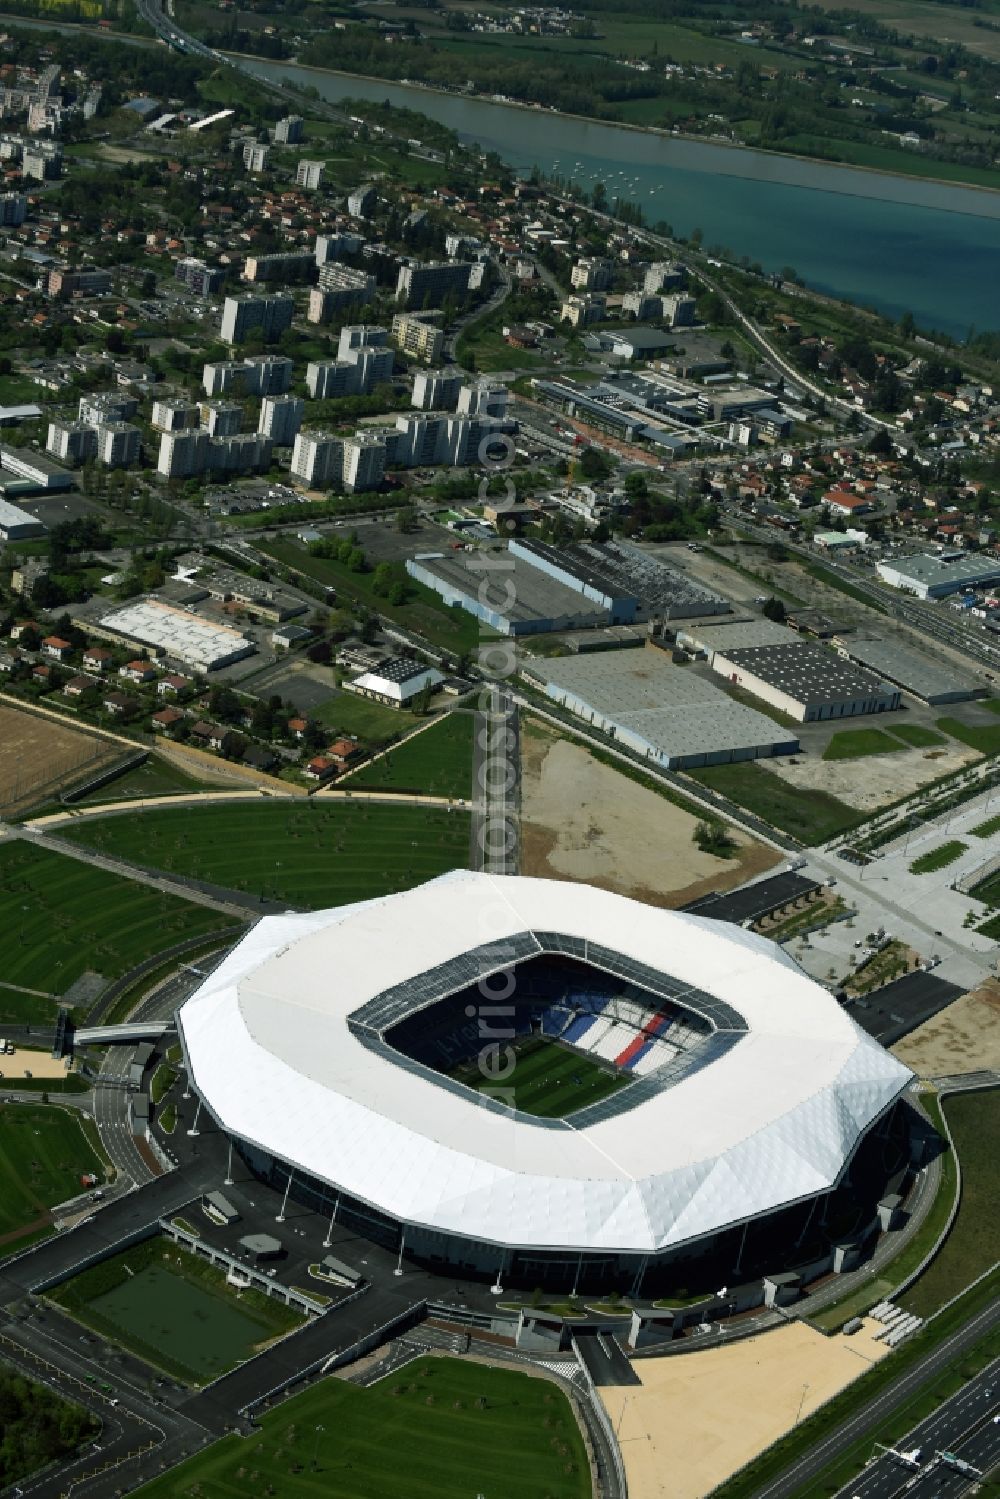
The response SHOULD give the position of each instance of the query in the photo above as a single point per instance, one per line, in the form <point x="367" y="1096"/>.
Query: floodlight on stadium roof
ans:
<point x="286" y="1046"/>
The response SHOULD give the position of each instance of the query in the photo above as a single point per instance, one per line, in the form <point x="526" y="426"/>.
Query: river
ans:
<point x="889" y="242"/>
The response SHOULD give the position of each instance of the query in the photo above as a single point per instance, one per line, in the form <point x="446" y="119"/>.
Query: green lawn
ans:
<point x="440" y="1428"/>
<point x="855" y="744"/>
<point x="60" y="918"/>
<point x="423" y="611"/>
<point x="44" y="1150"/>
<point x="970" y="1248"/>
<point x="986" y="829"/>
<point x="348" y="713"/>
<point x="174" y="1310"/>
<point x="155" y="778"/>
<point x="437" y="760"/>
<point x="547" y="1079"/>
<point x="939" y="858"/>
<point x="810" y="816"/>
<point x="917" y="735"/>
<point x="982" y="737"/>
<point x="311" y="854"/>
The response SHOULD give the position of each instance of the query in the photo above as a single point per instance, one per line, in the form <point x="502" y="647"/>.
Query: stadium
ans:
<point x="498" y="1075"/>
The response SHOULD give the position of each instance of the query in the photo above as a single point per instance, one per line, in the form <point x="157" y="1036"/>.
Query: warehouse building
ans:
<point x="38" y="470"/>
<point x="17" y="524"/>
<point x="630" y="584"/>
<point x="396" y="681"/>
<point x="506" y="592"/>
<point x="667" y="714"/>
<point x="709" y="639"/>
<point x="936" y="577"/>
<point x="806" y="681"/>
<point x="910" y="669"/>
<point x="176" y="633"/>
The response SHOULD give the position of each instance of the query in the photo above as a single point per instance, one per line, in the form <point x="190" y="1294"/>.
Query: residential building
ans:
<point x="363" y="464"/>
<point x="184" y="454"/>
<point x="255" y="156"/>
<point x="221" y="418"/>
<point x="662" y="276"/>
<point x="436" y="390"/>
<point x="361" y="203"/>
<point x="107" y="406"/>
<point x="258" y="375"/>
<point x="247" y="313"/>
<point x="173" y="415"/>
<point x="202" y="279"/>
<point x="317" y="458"/>
<point x="592" y="274"/>
<point x="288" y="131"/>
<point x="118" y="444"/>
<point x="292" y="265"/>
<point x="281" y="418"/>
<point x="68" y="283"/>
<point x="427" y="283"/>
<point x="71" y="442"/>
<point x="309" y="174"/>
<point x="42" y="160"/>
<point x="336" y="246"/>
<point x="678" y="310"/>
<point x="417" y="337"/>
<point x="483" y="398"/>
<point x="580" y="312"/>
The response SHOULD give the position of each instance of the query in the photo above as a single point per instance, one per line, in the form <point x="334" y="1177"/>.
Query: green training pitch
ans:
<point x="855" y="744"/>
<point x="439" y="1428"/>
<point x="60" y="918"/>
<point x="309" y="853"/>
<point x="547" y="1079"/>
<point x="44" y="1151"/>
<point x="437" y="761"/>
<point x="174" y="1310"/>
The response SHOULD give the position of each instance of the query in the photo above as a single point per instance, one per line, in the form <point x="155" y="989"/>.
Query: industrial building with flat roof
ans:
<point x="17" y="524"/>
<point x="712" y="638"/>
<point x="506" y="592"/>
<point x="39" y="471"/>
<point x="667" y="714"/>
<point x="917" y="674"/>
<point x="806" y="681"/>
<point x="936" y="577"/>
<point x="180" y="635"/>
<point x="629" y="583"/>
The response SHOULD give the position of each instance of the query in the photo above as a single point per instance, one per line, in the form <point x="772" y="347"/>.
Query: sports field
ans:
<point x="44" y="1151"/>
<point x="310" y="853"/>
<point x="437" y="761"/>
<point x="60" y="918"/>
<point x="174" y="1310"/>
<point x="439" y="1428"/>
<point x="547" y="1079"/>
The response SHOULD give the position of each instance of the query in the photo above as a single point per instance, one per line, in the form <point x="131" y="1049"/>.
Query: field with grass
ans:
<point x="810" y="816"/>
<point x="436" y="761"/>
<point x="60" y="918"/>
<point x="423" y="611"/>
<point x="970" y="1248"/>
<point x="154" y="778"/>
<point x="855" y="744"/>
<point x="939" y="858"/>
<point x="547" y="1080"/>
<point x="174" y="1310"/>
<point x="374" y="723"/>
<point x="44" y="1150"/>
<point x="440" y="1428"/>
<point x="309" y="854"/>
<point x="982" y="737"/>
<point x="917" y="735"/>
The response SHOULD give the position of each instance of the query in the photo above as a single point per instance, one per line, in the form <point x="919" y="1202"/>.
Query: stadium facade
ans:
<point x="703" y="1087"/>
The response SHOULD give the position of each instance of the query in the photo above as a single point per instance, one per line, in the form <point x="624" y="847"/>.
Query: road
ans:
<point x="807" y="1470"/>
<point x="496" y="775"/>
<point x="963" y="1425"/>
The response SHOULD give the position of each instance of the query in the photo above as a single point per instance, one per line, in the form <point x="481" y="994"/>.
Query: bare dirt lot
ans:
<point x="728" y="1404"/>
<point x="872" y="780"/>
<point x="38" y="756"/>
<point x="963" y="1038"/>
<point x="582" y="820"/>
<point x="25" y="1063"/>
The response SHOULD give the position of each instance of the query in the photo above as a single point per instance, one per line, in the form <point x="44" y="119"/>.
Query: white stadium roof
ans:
<point x="770" y="1121"/>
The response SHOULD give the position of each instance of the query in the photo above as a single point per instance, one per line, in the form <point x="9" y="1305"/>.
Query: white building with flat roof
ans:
<point x="173" y="632"/>
<point x="936" y="577"/>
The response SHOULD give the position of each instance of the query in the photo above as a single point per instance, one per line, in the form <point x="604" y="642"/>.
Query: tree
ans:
<point x="774" y="609"/>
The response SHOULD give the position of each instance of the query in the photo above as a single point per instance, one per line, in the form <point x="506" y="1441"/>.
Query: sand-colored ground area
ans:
<point x="963" y="1038"/>
<point x="38" y="755"/>
<point x="871" y="780"/>
<point x="700" y="1416"/>
<point x="582" y="820"/>
<point x="24" y="1063"/>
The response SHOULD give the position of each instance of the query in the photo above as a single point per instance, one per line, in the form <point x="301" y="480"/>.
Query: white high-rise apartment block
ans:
<point x="309" y="174"/>
<point x="436" y="390"/>
<point x="317" y="458"/>
<point x="281" y="418"/>
<point x="118" y="444"/>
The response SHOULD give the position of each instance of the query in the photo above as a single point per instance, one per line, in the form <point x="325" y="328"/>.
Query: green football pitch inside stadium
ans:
<point x="546" y="1079"/>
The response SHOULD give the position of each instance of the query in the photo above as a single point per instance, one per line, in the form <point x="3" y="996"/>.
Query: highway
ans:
<point x="967" y="1425"/>
<point x="804" y="1475"/>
